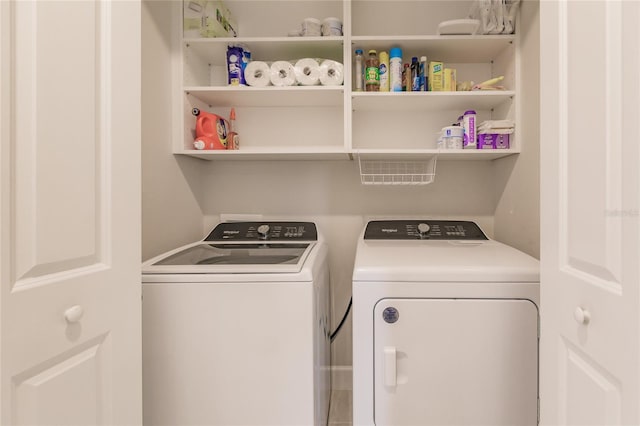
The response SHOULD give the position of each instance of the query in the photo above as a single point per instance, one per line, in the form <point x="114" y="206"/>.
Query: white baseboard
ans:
<point x="341" y="377"/>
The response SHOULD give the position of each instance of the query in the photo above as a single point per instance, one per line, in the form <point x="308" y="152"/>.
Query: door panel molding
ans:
<point x="591" y="242"/>
<point x="42" y="393"/>
<point x="579" y="373"/>
<point x="60" y="209"/>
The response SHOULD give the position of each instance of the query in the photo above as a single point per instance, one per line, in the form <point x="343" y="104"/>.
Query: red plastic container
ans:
<point x="212" y="131"/>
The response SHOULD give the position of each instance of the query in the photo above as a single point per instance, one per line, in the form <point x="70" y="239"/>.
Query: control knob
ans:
<point x="263" y="232"/>
<point x="423" y="229"/>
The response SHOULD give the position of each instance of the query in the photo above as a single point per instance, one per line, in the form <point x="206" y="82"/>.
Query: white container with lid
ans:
<point x="311" y="27"/>
<point x="452" y="137"/>
<point x="331" y="27"/>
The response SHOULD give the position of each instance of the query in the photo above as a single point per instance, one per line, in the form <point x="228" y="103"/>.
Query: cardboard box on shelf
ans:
<point x="436" y="76"/>
<point x="208" y="18"/>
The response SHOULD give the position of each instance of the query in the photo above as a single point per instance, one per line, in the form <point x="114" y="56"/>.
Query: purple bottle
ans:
<point x="470" y="136"/>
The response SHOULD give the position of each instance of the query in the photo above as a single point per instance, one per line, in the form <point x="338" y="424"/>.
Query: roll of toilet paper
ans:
<point x="282" y="73"/>
<point x="258" y="74"/>
<point x="307" y="72"/>
<point x="331" y="73"/>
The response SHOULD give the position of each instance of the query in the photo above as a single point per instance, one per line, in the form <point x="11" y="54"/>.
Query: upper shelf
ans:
<point x="429" y="101"/>
<point x="269" y="96"/>
<point x="214" y="50"/>
<point x="451" y="48"/>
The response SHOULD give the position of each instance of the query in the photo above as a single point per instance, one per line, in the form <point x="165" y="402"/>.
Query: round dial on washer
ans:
<point x="263" y="231"/>
<point x="423" y="228"/>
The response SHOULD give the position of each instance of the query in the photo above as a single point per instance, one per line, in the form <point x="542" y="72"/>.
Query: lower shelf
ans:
<point x="443" y="154"/>
<point x="267" y="155"/>
<point x="333" y="153"/>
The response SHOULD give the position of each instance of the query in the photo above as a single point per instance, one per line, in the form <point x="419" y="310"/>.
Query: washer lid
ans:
<point x="238" y="258"/>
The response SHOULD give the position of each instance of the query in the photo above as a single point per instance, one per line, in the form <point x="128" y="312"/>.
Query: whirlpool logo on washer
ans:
<point x="390" y="230"/>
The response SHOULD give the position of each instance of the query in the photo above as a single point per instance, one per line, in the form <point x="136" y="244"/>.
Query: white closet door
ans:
<point x="590" y="235"/>
<point x="70" y="212"/>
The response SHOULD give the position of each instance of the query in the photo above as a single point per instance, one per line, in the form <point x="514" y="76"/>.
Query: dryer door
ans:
<point x="455" y="362"/>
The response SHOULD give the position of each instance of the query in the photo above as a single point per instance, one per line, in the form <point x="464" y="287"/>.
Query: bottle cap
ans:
<point x="423" y="59"/>
<point x="414" y="59"/>
<point x="358" y="51"/>
<point x="471" y="111"/>
<point x="372" y="51"/>
<point x="396" y="52"/>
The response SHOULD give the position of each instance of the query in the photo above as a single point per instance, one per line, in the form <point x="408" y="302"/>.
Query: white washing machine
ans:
<point x="236" y="328"/>
<point x="445" y="327"/>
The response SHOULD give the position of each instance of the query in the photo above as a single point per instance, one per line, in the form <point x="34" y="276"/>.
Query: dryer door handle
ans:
<point x="390" y="366"/>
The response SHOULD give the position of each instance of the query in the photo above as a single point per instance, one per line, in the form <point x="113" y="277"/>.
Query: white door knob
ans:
<point x="582" y="316"/>
<point x="73" y="314"/>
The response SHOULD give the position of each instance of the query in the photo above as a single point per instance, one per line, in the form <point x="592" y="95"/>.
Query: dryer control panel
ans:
<point x="423" y="230"/>
<point x="264" y="231"/>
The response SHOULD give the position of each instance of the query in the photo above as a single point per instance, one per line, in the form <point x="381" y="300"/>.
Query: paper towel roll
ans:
<point x="307" y="72"/>
<point x="282" y="73"/>
<point x="331" y="73"/>
<point x="258" y="74"/>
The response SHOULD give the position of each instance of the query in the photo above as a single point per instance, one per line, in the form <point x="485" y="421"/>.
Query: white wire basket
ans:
<point x="402" y="172"/>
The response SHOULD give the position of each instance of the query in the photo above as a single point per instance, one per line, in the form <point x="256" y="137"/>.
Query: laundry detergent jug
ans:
<point x="211" y="130"/>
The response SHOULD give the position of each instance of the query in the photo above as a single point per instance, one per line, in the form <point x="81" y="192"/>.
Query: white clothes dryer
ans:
<point x="445" y="327"/>
<point x="236" y="328"/>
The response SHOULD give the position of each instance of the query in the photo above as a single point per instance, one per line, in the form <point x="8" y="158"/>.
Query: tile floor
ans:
<point x="340" y="411"/>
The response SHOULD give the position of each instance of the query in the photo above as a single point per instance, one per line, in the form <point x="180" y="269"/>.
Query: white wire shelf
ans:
<point x="404" y="172"/>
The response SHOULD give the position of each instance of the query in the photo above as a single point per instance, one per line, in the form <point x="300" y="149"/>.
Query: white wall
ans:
<point x="330" y="193"/>
<point x="517" y="214"/>
<point x="171" y="215"/>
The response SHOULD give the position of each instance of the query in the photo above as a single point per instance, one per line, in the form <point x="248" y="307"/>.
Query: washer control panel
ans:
<point x="264" y="231"/>
<point x="423" y="230"/>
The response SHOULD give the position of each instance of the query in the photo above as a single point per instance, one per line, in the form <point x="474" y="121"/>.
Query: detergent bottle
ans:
<point x="211" y="130"/>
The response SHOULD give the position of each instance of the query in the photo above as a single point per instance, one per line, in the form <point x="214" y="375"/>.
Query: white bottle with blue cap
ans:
<point x="395" y="69"/>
